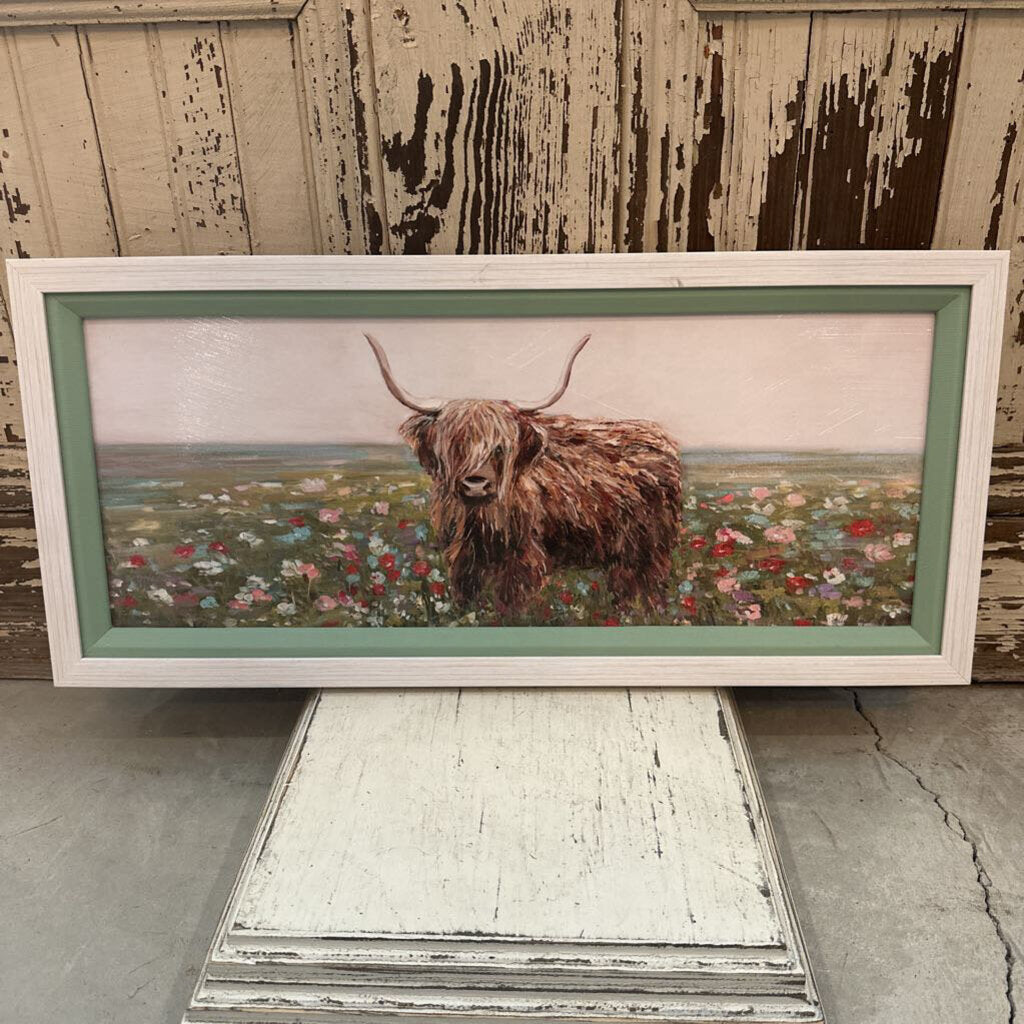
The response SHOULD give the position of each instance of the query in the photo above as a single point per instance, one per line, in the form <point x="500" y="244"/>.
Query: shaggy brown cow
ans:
<point x="517" y="495"/>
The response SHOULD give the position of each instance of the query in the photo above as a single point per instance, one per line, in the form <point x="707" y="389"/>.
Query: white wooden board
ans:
<point x="497" y="854"/>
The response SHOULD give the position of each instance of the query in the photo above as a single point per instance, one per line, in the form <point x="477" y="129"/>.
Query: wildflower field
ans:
<point x="341" y="537"/>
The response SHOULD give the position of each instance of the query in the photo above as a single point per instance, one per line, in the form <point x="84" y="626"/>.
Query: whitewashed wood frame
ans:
<point x="984" y="272"/>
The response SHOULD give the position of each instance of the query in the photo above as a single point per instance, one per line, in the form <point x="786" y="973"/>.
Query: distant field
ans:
<point x="336" y="536"/>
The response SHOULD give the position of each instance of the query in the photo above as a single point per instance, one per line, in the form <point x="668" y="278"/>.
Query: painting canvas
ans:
<point x="721" y="470"/>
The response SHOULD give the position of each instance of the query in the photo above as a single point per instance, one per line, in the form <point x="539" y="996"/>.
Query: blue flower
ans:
<point x="208" y="602"/>
<point x="295" y="535"/>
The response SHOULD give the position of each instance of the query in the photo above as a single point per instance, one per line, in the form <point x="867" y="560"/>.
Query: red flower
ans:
<point x="297" y="521"/>
<point x="218" y="546"/>
<point x="125" y="602"/>
<point x="437" y="589"/>
<point x="595" y="586"/>
<point x="723" y="550"/>
<point x="387" y="561"/>
<point x="860" y="528"/>
<point x="612" y="621"/>
<point x="352" y="569"/>
<point x="698" y="542"/>
<point x="403" y="524"/>
<point x="727" y="499"/>
<point x="795" y="583"/>
<point x="421" y="569"/>
<point x="849" y="563"/>
<point x="803" y="622"/>
<point x="186" y="599"/>
<point x="379" y="588"/>
<point x="565" y="597"/>
<point x="136" y="561"/>
<point x="185" y="550"/>
<point x="393" y="575"/>
<point x="690" y="604"/>
<point x="722" y="571"/>
<point x="771" y="564"/>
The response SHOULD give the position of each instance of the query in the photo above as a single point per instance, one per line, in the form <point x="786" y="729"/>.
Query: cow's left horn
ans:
<point x="563" y="383"/>
<point x="392" y="385"/>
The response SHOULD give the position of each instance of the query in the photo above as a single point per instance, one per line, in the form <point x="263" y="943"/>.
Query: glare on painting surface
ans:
<point x="746" y="470"/>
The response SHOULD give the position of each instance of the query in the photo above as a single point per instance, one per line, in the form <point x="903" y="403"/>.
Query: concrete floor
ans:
<point x="900" y="815"/>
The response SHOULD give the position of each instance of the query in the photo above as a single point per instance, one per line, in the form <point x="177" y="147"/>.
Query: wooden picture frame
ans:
<point x="963" y="290"/>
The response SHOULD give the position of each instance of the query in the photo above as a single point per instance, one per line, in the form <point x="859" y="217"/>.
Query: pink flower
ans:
<point x="186" y="599"/>
<point x="325" y="603"/>
<point x="854" y="602"/>
<point x="727" y="584"/>
<point x="878" y="553"/>
<point x="261" y="596"/>
<point x="308" y="570"/>
<point x="759" y="493"/>
<point x="185" y="550"/>
<point x="727" y="499"/>
<point x="136" y="561"/>
<point x="239" y="606"/>
<point x="752" y="612"/>
<point x="779" y="535"/>
<point x="329" y="515"/>
<point x="795" y="500"/>
<point x="902" y="540"/>
<point x="219" y="546"/>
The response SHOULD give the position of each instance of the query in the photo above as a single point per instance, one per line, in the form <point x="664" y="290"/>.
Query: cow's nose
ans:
<point x="476" y="485"/>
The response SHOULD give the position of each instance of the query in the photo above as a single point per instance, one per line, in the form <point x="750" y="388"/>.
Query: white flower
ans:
<point x="377" y="545"/>
<point x="835" y="619"/>
<point x="159" y="594"/>
<point x="341" y="535"/>
<point x="290" y="568"/>
<point x="140" y="542"/>
<point x="209" y="568"/>
<point x="902" y="540"/>
<point x="834" y="576"/>
<point x="244" y="596"/>
<point x="380" y="508"/>
<point x="377" y="577"/>
<point x="312" y="485"/>
<point x="250" y="538"/>
<point x="285" y="608"/>
<point x="256" y="583"/>
<point x="838" y="502"/>
<point x="223" y="497"/>
<point x="206" y="497"/>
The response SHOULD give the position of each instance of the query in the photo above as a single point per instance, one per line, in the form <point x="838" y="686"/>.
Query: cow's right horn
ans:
<point x="417" y="405"/>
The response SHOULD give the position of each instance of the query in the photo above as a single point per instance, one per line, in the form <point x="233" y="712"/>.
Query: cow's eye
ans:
<point x="499" y="452"/>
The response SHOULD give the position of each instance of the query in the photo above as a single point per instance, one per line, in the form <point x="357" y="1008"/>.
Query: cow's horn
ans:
<point x="563" y="383"/>
<point x="392" y="385"/>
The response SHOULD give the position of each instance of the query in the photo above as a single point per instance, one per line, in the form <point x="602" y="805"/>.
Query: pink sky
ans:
<point x="854" y="382"/>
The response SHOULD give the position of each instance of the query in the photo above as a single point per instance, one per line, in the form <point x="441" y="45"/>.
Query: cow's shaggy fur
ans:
<point x="582" y="493"/>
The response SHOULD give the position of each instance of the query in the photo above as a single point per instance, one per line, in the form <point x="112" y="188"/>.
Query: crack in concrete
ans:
<point x="955" y="825"/>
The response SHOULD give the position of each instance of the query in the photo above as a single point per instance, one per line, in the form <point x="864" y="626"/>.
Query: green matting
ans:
<point x="950" y="306"/>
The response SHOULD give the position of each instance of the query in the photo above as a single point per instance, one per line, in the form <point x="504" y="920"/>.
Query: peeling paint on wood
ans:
<point x="981" y="205"/>
<point x="879" y="101"/>
<point x="80" y="12"/>
<point x="169" y="153"/>
<point x="750" y="111"/>
<point x="657" y="82"/>
<point x="51" y="181"/>
<point x="15" y="495"/>
<point x="22" y="623"/>
<point x="267" y="108"/>
<point x="491" y="116"/>
<point x="341" y="124"/>
<point x="999" y="644"/>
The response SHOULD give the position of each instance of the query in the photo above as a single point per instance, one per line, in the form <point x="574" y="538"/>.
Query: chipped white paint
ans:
<point x="981" y="197"/>
<point x="750" y="108"/>
<point x="80" y="12"/>
<point x="984" y="273"/>
<point x="170" y="154"/>
<point x="595" y="855"/>
<point x="875" y="84"/>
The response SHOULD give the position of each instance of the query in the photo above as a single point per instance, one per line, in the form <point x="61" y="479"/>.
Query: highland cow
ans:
<point x="517" y="495"/>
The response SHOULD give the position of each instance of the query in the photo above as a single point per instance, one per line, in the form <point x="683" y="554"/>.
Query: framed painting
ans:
<point x="700" y="469"/>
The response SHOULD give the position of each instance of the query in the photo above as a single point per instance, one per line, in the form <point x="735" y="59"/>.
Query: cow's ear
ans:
<point x="532" y="440"/>
<point x="418" y="432"/>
